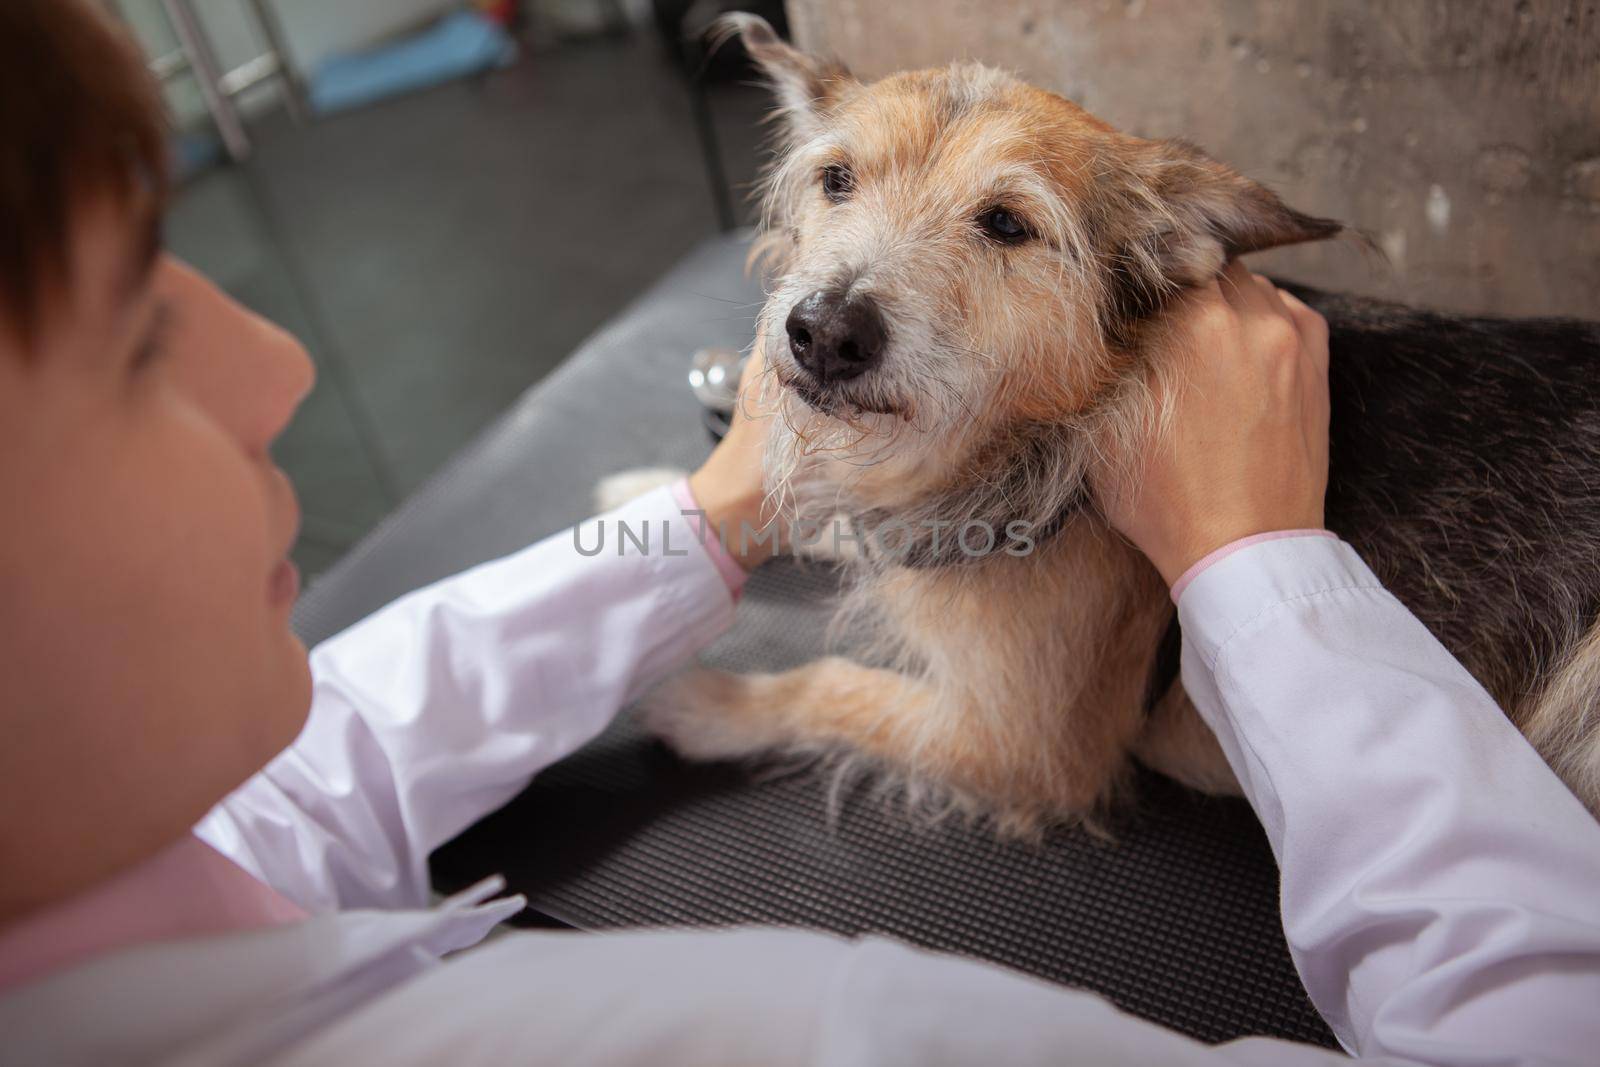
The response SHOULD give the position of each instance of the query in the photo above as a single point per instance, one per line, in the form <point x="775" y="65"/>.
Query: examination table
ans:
<point x="1176" y="919"/>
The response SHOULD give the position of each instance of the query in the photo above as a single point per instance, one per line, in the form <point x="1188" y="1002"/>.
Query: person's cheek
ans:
<point x="245" y="668"/>
<point x="225" y="394"/>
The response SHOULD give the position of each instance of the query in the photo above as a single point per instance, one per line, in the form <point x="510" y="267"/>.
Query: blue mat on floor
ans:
<point x="457" y="45"/>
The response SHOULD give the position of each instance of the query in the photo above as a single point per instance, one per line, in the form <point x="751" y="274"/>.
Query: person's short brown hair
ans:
<point x="80" y="118"/>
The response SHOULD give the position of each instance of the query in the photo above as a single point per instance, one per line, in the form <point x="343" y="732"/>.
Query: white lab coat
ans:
<point x="1441" y="888"/>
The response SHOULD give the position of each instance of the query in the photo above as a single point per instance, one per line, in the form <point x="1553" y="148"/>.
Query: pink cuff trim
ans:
<point x="1231" y="547"/>
<point x="733" y="575"/>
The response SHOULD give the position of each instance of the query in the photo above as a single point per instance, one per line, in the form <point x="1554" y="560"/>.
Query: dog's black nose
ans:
<point x="835" y="337"/>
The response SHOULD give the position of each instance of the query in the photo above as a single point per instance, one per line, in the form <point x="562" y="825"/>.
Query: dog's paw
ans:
<point x="704" y="714"/>
<point x="615" y="490"/>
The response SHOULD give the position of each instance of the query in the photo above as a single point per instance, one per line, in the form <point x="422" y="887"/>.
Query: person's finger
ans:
<point x="1236" y="287"/>
<point x="1253" y="296"/>
<point x="1203" y="294"/>
<point x="1264" y="299"/>
<point x="1193" y="304"/>
<point x="756" y="386"/>
<point x="1304" y="316"/>
<point x="1313" y="330"/>
<point x="1270" y="299"/>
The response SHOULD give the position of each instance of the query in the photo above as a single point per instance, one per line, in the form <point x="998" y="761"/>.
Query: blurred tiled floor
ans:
<point x="441" y="252"/>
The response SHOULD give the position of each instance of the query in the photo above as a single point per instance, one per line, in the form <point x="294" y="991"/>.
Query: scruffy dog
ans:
<point x="968" y="275"/>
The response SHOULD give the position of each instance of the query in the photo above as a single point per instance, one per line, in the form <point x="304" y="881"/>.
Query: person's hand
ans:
<point x="728" y="485"/>
<point x="1246" y="451"/>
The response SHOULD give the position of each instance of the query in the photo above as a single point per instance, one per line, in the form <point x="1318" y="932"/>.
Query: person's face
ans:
<point x="146" y="661"/>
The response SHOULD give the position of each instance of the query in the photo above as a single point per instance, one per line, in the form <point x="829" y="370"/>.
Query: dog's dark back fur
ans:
<point x="1465" y="468"/>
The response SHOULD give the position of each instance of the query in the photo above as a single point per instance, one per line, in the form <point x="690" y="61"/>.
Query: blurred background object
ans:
<point x="714" y="376"/>
<point x="1462" y="135"/>
<point x="466" y="191"/>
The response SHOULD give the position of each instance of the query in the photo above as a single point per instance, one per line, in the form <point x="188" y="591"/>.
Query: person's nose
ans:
<point x="281" y="375"/>
<point x="835" y="336"/>
<point x="248" y="374"/>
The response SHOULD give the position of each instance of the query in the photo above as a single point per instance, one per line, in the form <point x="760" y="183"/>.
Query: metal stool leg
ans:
<point x="208" y="72"/>
<point x="294" y="92"/>
<point x="711" y="152"/>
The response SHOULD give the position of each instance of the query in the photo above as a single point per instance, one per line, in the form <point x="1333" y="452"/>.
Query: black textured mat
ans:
<point x="1177" y="920"/>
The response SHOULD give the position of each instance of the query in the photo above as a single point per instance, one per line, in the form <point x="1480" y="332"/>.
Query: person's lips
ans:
<point x="284" y="585"/>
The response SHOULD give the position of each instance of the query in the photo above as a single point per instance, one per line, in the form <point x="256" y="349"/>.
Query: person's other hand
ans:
<point x="1247" y="449"/>
<point x="729" y="485"/>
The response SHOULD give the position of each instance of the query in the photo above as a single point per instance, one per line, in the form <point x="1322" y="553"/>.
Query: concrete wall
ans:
<point x="1463" y="135"/>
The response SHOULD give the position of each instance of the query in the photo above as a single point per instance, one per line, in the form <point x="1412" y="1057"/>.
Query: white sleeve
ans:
<point x="439" y="708"/>
<point x="1441" y="887"/>
<point x="777" y="997"/>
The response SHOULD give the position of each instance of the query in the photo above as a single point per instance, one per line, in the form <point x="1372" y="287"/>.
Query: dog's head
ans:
<point x="960" y="258"/>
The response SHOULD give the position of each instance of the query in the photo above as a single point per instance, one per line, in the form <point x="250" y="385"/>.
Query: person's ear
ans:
<point x="806" y="86"/>
<point x="1176" y="217"/>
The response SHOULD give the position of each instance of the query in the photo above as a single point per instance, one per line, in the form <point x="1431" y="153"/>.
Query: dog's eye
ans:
<point x="1003" y="226"/>
<point x="837" y="182"/>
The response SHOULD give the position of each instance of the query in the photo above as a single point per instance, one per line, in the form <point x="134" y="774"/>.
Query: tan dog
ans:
<point x="968" y="274"/>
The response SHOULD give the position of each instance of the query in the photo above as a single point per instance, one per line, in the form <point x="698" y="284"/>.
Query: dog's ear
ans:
<point x="1210" y="213"/>
<point x="805" y="85"/>
<point x="1180" y="216"/>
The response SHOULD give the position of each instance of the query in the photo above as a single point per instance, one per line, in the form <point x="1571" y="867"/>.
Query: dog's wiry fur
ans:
<point x="1464" y="451"/>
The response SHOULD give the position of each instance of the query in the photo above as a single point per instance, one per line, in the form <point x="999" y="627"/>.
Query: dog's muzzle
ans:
<point x="835" y="336"/>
